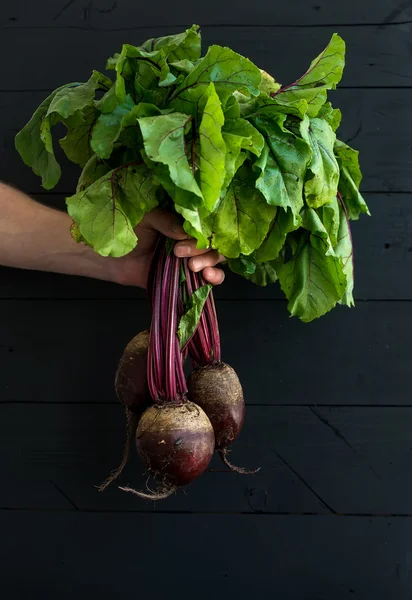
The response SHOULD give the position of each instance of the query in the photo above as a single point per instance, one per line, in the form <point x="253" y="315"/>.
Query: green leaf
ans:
<point x="196" y="224"/>
<point x="312" y="222"/>
<point x="232" y="108"/>
<point x="282" y="224"/>
<point x="164" y="142"/>
<point x="275" y="107"/>
<point x="76" y="143"/>
<point x="324" y="74"/>
<point x="243" y="265"/>
<point x="333" y="116"/>
<point x="108" y="101"/>
<point x="35" y="146"/>
<point x="322" y="186"/>
<point x="233" y="156"/>
<point x="112" y="62"/>
<point x="329" y="214"/>
<point x="265" y="274"/>
<point x="251" y="139"/>
<point x="259" y="273"/>
<point x="312" y="280"/>
<point x="282" y="166"/>
<point x="177" y="47"/>
<point x="69" y="100"/>
<point x="108" y="127"/>
<point x="268" y="84"/>
<point x="182" y="66"/>
<point x="195" y="217"/>
<point x="212" y="149"/>
<point x="241" y="218"/>
<point x="327" y="68"/>
<point x="140" y="73"/>
<point x="350" y="179"/>
<point x="94" y="169"/>
<point x="239" y="134"/>
<point x="313" y="99"/>
<point x="344" y="250"/>
<point x="190" y="320"/>
<point x="107" y="211"/>
<point x="228" y="70"/>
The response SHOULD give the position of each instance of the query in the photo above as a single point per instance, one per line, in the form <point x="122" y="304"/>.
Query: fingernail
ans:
<point x="197" y="263"/>
<point x="182" y="250"/>
<point x="178" y="229"/>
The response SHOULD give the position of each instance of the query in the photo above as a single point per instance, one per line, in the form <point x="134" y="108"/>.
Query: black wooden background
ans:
<point x="329" y="517"/>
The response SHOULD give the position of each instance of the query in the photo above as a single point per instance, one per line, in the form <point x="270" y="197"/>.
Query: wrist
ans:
<point x="128" y="271"/>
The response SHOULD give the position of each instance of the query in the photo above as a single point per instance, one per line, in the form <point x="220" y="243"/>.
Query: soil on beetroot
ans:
<point x="217" y="389"/>
<point x="131" y="375"/>
<point x="176" y="442"/>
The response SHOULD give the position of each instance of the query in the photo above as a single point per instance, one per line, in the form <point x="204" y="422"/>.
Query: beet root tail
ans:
<point x="223" y="455"/>
<point x="161" y="494"/>
<point x="131" y="426"/>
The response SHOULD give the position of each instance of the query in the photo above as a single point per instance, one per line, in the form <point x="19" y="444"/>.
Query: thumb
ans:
<point x="166" y="223"/>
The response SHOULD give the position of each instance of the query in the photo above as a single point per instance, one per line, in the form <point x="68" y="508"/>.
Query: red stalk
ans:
<point x="165" y="361"/>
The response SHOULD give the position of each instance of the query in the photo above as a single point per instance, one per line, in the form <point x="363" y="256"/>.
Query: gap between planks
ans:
<point x="212" y="25"/>
<point x="217" y="513"/>
<point x="219" y="300"/>
<point x="341" y="87"/>
<point x="261" y="405"/>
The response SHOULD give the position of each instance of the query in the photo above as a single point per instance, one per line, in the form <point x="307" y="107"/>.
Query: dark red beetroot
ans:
<point x="217" y="389"/>
<point x="176" y="443"/>
<point x="214" y="385"/>
<point x="132" y="391"/>
<point x="131" y="375"/>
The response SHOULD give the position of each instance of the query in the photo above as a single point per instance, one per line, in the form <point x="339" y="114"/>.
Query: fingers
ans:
<point x="202" y="259"/>
<point x="188" y="248"/>
<point x="209" y="259"/>
<point x="166" y="223"/>
<point x="213" y="276"/>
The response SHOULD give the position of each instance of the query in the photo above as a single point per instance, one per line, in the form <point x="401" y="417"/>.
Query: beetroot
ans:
<point x="132" y="391"/>
<point x="214" y="385"/>
<point x="131" y="375"/>
<point x="216" y="388"/>
<point x="176" y="442"/>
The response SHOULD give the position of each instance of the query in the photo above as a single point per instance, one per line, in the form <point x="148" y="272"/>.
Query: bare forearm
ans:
<point x="33" y="236"/>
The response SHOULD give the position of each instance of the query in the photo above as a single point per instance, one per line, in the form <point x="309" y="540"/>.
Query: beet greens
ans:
<point x="253" y="168"/>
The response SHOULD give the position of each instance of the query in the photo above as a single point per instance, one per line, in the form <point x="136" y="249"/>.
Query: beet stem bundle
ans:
<point x="174" y="437"/>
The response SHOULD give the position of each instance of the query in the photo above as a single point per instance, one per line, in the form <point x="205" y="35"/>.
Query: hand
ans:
<point x="133" y="269"/>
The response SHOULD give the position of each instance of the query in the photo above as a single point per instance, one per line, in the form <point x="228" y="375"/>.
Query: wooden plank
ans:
<point x="375" y="122"/>
<point x="346" y="460"/>
<point x="366" y="64"/>
<point x="360" y="356"/>
<point x="124" y="14"/>
<point x="73" y="447"/>
<point x="383" y="262"/>
<point x="96" y="555"/>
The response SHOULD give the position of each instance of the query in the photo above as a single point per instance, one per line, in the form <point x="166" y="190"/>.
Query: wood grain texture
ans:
<point x="329" y="413"/>
<point x="345" y="460"/>
<point x="123" y="14"/>
<point x="383" y="263"/>
<point x="298" y="558"/>
<point x="377" y="123"/>
<point x="67" y="351"/>
<point x="77" y="52"/>
<point x="73" y="448"/>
